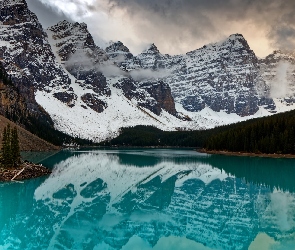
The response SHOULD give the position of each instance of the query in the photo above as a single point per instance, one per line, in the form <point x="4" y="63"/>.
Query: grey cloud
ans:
<point x="192" y="19"/>
<point x="46" y="14"/>
<point x="183" y="25"/>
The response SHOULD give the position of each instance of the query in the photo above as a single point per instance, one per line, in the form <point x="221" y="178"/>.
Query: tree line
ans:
<point x="273" y="134"/>
<point x="142" y="136"/>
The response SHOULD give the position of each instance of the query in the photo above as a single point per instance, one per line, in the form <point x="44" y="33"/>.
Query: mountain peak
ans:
<point x="236" y="36"/>
<point x="65" y="24"/>
<point x="152" y="49"/>
<point x="238" y="40"/>
<point x="116" y="47"/>
<point x="17" y="12"/>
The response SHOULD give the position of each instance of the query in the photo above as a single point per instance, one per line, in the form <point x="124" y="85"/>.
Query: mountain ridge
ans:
<point x="92" y="92"/>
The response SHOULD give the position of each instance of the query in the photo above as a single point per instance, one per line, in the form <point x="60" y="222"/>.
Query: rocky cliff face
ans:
<point x="26" y="53"/>
<point x="89" y="64"/>
<point x="277" y="69"/>
<point x="68" y="75"/>
<point x="222" y="76"/>
<point x="81" y="85"/>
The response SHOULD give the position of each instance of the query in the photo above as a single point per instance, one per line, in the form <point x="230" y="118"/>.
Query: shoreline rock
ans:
<point x="23" y="172"/>
<point x="230" y="153"/>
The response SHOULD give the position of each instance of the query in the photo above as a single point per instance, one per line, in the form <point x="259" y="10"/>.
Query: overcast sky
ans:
<point x="177" y="26"/>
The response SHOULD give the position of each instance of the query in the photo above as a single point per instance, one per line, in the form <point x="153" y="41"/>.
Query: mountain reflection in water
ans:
<point x="151" y="198"/>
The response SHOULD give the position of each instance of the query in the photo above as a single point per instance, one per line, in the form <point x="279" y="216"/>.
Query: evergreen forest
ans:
<point x="272" y="134"/>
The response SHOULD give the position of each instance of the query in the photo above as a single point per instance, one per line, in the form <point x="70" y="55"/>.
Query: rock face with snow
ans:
<point x="118" y="50"/>
<point x="25" y="50"/>
<point x="88" y="64"/>
<point x="27" y="56"/>
<point x="222" y="76"/>
<point x="77" y="50"/>
<point x="277" y="69"/>
<point x="85" y="88"/>
<point x="66" y="72"/>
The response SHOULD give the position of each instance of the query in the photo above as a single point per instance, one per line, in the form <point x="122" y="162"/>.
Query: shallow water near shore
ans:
<point x="151" y="199"/>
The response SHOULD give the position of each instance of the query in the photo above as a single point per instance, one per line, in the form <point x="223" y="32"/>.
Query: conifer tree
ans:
<point x="6" y="147"/>
<point x="10" y="147"/>
<point x="15" y="151"/>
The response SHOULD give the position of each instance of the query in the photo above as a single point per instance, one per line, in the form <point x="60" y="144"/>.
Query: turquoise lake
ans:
<point x="151" y="199"/>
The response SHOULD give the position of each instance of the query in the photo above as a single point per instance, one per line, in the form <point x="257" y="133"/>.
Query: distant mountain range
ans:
<point x="90" y="92"/>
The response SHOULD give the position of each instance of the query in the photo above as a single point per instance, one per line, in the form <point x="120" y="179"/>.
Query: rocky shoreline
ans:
<point x="25" y="171"/>
<point x="216" y="152"/>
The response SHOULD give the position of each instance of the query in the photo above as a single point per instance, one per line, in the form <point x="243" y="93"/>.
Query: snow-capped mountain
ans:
<point x="221" y="76"/>
<point x="27" y="56"/>
<point x="104" y="97"/>
<point x="92" y="92"/>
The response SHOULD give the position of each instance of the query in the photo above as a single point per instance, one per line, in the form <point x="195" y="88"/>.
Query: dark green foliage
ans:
<point x="10" y="156"/>
<point x="273" y="134"/>
<point x="151" y="136"/>
<point x="15" y="149"/>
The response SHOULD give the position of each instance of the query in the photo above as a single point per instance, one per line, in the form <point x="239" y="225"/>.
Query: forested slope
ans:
<point x="273" y="134"/>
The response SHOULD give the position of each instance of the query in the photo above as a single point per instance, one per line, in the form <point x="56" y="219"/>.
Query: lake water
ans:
<point x="151" y="199"/>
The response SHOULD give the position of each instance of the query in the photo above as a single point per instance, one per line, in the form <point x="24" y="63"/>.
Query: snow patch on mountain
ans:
<point x="92" y="93"/>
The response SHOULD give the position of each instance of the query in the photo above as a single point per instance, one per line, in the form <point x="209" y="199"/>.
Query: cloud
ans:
<point x="184" y="21"/>
<point x="47" y="14"/>
<point x="280" y="86"/>
<point x="111" y="70"/>
<point x="81" y="61"/>
<point x="178" y="26"/>
<point x="147" y="74"/>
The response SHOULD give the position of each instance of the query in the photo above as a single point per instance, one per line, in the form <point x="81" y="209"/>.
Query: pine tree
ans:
<point x="10" y="147"/>
<point x="15" y="151"/>
<point x="6" y="147"/>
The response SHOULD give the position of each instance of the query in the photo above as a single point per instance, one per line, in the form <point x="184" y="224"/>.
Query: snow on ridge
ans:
<point x="12" y="2"/>
<point x="188" y="75"/>
<point x="122" y="112"/>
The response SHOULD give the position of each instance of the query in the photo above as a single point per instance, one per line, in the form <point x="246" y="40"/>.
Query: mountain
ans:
<point x="18" y="108"/>
<point x="279" y="67"/>
<point x="104" y="97"/>
<point x="222" y="76"/>
<point x="26" y="65"/>
<point x="90" y="92"/>
<point x="26" y="53"/>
